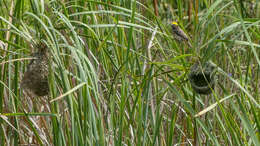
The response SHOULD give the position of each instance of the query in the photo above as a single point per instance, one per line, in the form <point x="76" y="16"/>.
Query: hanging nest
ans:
<point x="202" y="79"/>
<point x="35" y="79"/>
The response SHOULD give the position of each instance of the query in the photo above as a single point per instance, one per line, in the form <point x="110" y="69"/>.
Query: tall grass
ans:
<point x="118" y="77"/>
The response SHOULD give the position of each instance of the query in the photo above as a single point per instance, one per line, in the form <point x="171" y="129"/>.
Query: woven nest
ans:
<point x="202" y="79"/>
<point x="35" y="79"/>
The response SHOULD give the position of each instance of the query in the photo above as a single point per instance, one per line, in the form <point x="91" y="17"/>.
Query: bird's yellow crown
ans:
<point x="174" y="22"/>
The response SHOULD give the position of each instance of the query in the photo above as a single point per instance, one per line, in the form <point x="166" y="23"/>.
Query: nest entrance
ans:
<point x="202" y="79"/>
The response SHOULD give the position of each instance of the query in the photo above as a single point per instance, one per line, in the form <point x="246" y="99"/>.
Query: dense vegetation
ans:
<point x="117" y="76"/>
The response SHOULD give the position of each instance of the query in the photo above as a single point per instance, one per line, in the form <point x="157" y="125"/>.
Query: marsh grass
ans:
<point x="117" y="77"/>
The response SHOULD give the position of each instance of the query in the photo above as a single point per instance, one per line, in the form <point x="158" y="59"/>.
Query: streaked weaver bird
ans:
<point x="179" y="34"/>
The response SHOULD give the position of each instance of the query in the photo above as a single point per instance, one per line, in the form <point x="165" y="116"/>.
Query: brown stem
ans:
<point x="155" y="7"/>
<point x="190" y="10"/>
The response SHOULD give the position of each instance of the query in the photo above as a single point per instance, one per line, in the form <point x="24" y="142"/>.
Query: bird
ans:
<point x="179" y="34"/>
